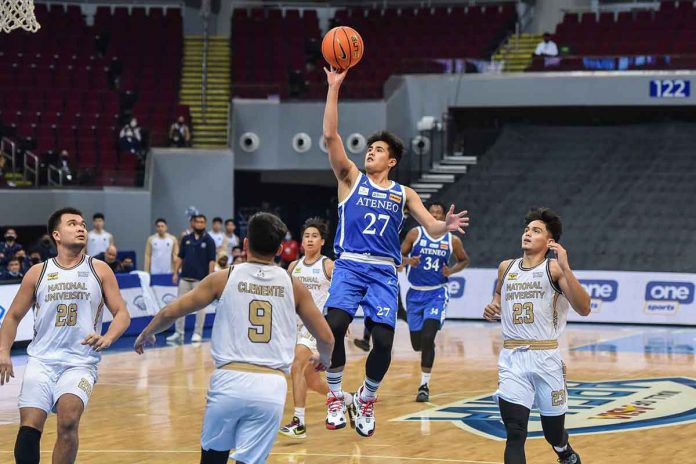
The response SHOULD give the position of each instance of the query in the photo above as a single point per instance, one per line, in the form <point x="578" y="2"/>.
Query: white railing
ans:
<point x="55" y="175"/>
<point x="30" y="158"/>
<point x="9" y="152"/>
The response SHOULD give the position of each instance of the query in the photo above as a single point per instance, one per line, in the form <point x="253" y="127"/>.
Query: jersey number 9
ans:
<point x="66" y="315"/>
<point x="260" y="318"/>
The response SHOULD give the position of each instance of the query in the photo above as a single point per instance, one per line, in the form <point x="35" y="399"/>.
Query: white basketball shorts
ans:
<point x="534" y="379"/>
<point x="306" y="339"/>
<point x="243" y="413"/>
<point x="44" y="384"/>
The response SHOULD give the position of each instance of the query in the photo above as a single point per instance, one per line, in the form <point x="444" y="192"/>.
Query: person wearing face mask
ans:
<point x="64" y="167"/>
<point x="14" y="270"/>
<point x="127" y="264"/>
<point x="196" y="260"/>
<point x="130" y="139"/>
<point x="9" y="247"/>
<point x="34" y="258"/>
<point x="179" y="134"/>
<point x="291" y="251"/>
<point x="44" y="246"/>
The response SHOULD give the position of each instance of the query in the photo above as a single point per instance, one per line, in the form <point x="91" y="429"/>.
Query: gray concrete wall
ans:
<point x="127" y="211"/>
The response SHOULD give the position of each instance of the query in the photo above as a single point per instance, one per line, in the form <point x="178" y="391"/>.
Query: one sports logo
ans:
<point x="664" y="298"/>
<point x="600" y="291"/>
<point x="456" y="287"/>
<point x="593" y="407"/>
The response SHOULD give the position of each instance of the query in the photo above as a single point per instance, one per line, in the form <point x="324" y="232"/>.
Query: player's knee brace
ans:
<point x="416" y="340"/>
<point x="214" y="457"/>
<point x="554" y="430"/>
<point x="380" y="357"/>
<point x="430" y="328"/>
<point x="27" y="448"/>
<point x="339" y="321"/>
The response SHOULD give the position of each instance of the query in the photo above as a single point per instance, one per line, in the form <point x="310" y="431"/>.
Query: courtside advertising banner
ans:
<point x="617" y="296"/>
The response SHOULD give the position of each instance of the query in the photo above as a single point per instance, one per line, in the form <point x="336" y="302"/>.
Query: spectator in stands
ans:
<point x="236" y="252"/>
<point x="109" y="257"/>
<point x="161" y="250"/>
<point x="45" y="247"/>
<point x="238" y="260"/>
<point x="218" y="235"/>
<point x="196" y="260"/>
<point x="21" y="256"/>
<point x="98" y="239"/>
<point x="233" y="240"/>
<point x="222" y="263"/>
<point x="546" y="47"/>
<point x="291" y="251"/>
<point x="9" y="247"/>
<point x="179" y="134"/>
<point x="34" y="258"/>
<point x="14" y="270"/>
<point x="130" y="140"/>
<point x="63" y="165"/>
<point x="127" y="264"/>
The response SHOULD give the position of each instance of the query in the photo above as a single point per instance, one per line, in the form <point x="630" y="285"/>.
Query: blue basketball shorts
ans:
<point x="425" y="304"/>
<point x="374" y="287"/>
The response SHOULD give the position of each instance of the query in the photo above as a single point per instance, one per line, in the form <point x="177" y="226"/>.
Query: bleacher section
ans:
<point x="663" y="39"/>
<point x="55" y="85"/>
<point x="623" y="193"/>
<point x="275" y="46"/>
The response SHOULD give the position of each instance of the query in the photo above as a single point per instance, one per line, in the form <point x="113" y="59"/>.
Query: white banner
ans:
<point x="617" y="296"/>
<point x="25" y="330"/>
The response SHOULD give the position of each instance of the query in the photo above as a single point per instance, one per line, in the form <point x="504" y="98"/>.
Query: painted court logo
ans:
<point x="600" y="291"/>
<point x="664" y="298"/>
<point x="593" y="407"/>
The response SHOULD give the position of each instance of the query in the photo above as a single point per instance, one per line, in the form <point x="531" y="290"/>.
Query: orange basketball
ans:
<point x="342" y="47"/>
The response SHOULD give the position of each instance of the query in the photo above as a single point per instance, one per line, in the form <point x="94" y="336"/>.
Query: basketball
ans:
<point x="342" y="47"/>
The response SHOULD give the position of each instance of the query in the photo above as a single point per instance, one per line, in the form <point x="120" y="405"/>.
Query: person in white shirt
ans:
<point x="98" y="239"/>
<point x="161" y="249"/>
<point x="218" y="236"/>
<point x="546" y="47"/>
<point x="232" y="238"/>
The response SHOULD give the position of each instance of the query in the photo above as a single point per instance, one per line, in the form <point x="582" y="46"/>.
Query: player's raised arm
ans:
<point x="561" y="272"/>
<point x="19" y="308"/>
<point x="345" y="170"/>
<point x="492" y="310"/>
<point x="115" y="305"/>
<point x="313" y="319"/>
<point x="201" y="296"/>
<point x="453" y="221"/>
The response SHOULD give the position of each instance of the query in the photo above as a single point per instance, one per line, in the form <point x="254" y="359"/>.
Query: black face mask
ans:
<point x="46" y="242"/>
<point x="9" y="239"/>
<point x="34" y="260"/>
<point x="127" y="268"/>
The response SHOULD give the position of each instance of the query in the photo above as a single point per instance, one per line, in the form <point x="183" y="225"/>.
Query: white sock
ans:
<point x="368" y="391"/>
<point x="299" y="413"/>
<point x="335" y="381"/>
<point x="425" y="378"/>
<point x="561" y="449"/>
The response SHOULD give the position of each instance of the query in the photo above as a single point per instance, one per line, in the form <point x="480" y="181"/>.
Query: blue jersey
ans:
<point x="434" y="255"/>
<point x="370" y="219"/>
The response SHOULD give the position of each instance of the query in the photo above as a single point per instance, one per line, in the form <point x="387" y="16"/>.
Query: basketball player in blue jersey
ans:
<point x="427" y="260"/>
<point x="371" y="213"/>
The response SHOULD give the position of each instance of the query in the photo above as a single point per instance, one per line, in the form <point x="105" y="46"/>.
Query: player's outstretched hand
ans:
<point x="141" y="341"/>
<point x="492" y="312"/>
<point x="98" y="342"/>
<point x="318" y="364"/>
<point x="6" y="370"/>
<point x="561" y="255"/>
<point x="335" y="77"/>
<point x="456" y="221"/>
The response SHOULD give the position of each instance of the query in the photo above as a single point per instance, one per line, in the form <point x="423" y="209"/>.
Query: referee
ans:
<point x="196" y="260"/>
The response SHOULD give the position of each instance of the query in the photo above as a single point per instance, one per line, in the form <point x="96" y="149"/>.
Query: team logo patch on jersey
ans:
<point x="395" y="197"/>
<point x="52" y="276"/>
<point x="423" y="243"/>
<point x="381" y="195"/>
<point x="593" y="407"/>
<point x="538" y="275"/>
<point x="444" y="246"/>
<point x="82" y="274"/>
<point x="363" y="191"/>
<point x="298" y="269"/>
<point x="512" y="276"/>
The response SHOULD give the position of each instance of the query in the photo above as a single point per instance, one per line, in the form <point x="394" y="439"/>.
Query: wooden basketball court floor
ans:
<point x="149" y="409"/>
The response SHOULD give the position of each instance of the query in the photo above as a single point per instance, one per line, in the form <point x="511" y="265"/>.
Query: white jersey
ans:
<point x="532" y="305"/>
<point x="314" y="277"/>
<point x="68" y="307"/>
<point x="255" y="318"/>
<point x="218" y="238"/>
<point x="161" y="253"/>
<point x="98" y="242"/>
